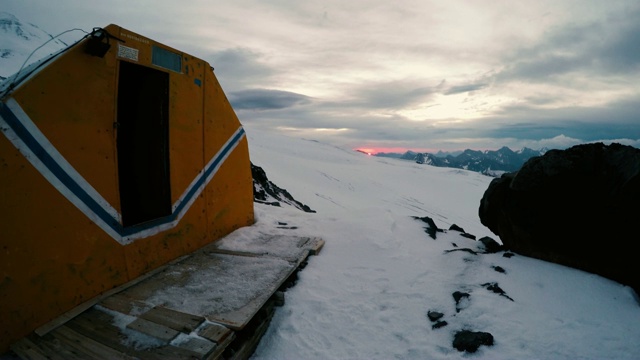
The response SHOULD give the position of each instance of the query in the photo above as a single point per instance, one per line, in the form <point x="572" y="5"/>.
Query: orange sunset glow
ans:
<point x="375" y="150"/>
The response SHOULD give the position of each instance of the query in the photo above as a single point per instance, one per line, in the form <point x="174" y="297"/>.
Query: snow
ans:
<point x="132" y="338"/>
<point x="231" y="284"/>
<point x="18" y="40"/>
<point x="367" y="294"/>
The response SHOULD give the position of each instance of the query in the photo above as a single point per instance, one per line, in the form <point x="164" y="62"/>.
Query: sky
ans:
<point x="424" y="75"/>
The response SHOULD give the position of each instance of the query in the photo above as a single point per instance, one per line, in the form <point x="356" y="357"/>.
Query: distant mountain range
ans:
<point x="18" y="40"/>
<point x="489" y="162"/>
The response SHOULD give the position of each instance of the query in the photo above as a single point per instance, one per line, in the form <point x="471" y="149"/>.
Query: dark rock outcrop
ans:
<point x="266" y="192"/>
<point x="495" y="288"/>
<point x="470" y="341"/>
<point x="577" y="207"/>
<point x="490" y="246"/>
<point x="431" y="229"/>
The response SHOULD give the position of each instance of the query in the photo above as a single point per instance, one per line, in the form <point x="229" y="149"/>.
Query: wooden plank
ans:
<point x="238" y="319"/>
<point x="64" y="318"/>
<point x="152" y="329"/>
<point x="123" y="304"/>
<point x="222" y="346"/>
<point x="27" y="349"/>
<point x="214" y="249"/>
<point x="201" y="347"/>
<point x="316" y="244"/>
<point x="168" y="352"/>
<point x="98" y="326"/>
<point x="86" y="347"/>
<point x="215" y="332"/>
<point x="249" y="346"/>
<point x="53" y="348"/>
<point x="173" y="319"/>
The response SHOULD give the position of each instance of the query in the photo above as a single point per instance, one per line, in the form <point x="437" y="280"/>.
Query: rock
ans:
<point x="490" y="246"/>
<point x="461" y="249"/>
<point x="265" y="192"/>
<point x="434" y="315"/>
<point x="439" y="324"/>
<point x="461" y="299"/>
<point x="468" y="236"/>
<point x="470" y="341"/>
<point x="576" y="207"/>
<point x="431" y="228"/>
<point x="493" y="287"/>
<point x="455" y="227"/>
<point x="499" y="269"/>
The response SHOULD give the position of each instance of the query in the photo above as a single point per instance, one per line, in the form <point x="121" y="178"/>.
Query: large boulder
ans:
<point x="577" y="207"/>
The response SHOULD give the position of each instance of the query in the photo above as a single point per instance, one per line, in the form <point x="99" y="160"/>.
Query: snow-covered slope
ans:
<point x="367" y="295"/>
<point x="18" y="40"/>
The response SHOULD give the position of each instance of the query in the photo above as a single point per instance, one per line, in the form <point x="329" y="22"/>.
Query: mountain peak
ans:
<point x="7" y="18"/>
<point x="18" y="40"/>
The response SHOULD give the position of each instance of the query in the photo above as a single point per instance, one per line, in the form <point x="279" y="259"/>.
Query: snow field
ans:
<point x="367" y="294"/>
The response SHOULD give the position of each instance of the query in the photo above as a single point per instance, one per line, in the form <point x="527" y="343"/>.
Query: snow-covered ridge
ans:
<point x="18" y="40"/>
<point x="488" y="162"/>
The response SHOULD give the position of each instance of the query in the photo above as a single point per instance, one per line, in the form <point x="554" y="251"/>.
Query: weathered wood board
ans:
<point x="192" y="309"/>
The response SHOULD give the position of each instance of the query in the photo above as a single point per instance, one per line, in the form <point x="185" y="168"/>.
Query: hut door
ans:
<point x="143" y="143"/>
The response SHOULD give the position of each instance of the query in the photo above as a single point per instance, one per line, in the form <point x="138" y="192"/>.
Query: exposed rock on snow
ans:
<point x="470" y="341"/>
<point x="431" y="227"/>
<point x="491" y="246"/>
<point x="462" y="249"/>
<point x="499" y="269"/>
<point x="461" y="299"/>
<point x="463" y="233"/>
<point x="266" y="192"/>
<point x="560" y="205"/>
<point x="493" y="287"/>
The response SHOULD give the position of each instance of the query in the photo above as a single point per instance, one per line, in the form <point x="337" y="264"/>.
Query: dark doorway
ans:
<point x="143" y="143"/>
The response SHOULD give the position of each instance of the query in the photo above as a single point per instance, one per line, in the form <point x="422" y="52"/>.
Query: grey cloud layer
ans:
<point x="565" y="70"/>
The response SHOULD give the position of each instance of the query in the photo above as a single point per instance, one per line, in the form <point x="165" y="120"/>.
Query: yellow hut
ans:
<point x="117" y="155"/>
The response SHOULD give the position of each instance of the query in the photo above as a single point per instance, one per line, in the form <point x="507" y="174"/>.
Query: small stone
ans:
<point x="434" y="315"/>
<point x="455" y="227"/>
<point x="508" y="254"/>
<point x="499" y="269"/>
<point x="459" y="295"/>
<point x="462" y="300"/>
<point x="439" y="324"/>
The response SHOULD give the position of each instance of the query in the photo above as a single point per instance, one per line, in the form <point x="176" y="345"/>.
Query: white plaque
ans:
<point x="127" y="52"/>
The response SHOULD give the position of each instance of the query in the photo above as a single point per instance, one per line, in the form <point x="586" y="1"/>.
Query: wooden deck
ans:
<point x="214" y="304"/>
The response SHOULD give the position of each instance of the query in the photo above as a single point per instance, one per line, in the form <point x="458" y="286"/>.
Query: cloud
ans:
<point x="607" y="46"/>
<point x="239" y="68"/>
<point x="265" y="99"/>
<point x="391" y="95"/>
<point x="516" y="72"/>
<point x="465" y="88"/>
